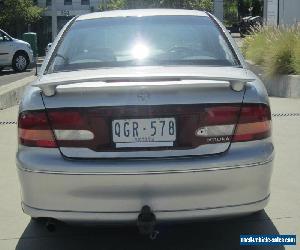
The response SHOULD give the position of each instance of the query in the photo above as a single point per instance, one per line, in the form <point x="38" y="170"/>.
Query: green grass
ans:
<point x="296" y="56"/>
<point x="276" y="49"/>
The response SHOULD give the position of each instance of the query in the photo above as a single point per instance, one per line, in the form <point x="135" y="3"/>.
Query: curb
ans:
<point x="11" y="94"/>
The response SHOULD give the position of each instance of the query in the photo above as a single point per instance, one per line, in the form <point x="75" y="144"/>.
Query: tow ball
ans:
<point x="50" y="225"/>
<point x="146" y="223"/>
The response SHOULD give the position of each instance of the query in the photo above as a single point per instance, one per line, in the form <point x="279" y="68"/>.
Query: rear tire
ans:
<point x="20" y="62"/>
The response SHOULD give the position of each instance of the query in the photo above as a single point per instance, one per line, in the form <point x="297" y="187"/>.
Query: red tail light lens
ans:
<point x="66" y="119"/>
<point x="34" y="130"/>
<point x="221" y="115"/>
<point x="254" y="123"/>
<point x="234" y="123"/>
<point x="68" y="128"/>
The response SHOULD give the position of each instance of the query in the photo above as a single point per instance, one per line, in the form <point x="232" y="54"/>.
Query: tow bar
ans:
<point x="50" y="225"/>
<point x="146" y="223"/>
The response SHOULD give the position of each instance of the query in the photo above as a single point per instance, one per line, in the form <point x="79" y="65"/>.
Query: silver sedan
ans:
<point x="144" y="116"/>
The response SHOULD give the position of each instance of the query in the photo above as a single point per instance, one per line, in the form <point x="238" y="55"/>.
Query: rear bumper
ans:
<point x="162" y="216"/>
<point x="113" y="198"/>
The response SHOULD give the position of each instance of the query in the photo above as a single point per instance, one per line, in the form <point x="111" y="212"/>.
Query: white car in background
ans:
<point x="15" y="53"/>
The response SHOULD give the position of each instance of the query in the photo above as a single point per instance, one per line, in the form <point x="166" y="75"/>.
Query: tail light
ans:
<point x="254" y="123"/>
<point x="34" y="130"/>
<point x="223" y="124"/>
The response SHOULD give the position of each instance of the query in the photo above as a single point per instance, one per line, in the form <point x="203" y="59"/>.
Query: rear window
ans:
<point x="142" y="41"/>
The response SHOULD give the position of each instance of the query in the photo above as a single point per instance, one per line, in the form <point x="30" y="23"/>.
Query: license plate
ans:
<point x="155" y="132"/>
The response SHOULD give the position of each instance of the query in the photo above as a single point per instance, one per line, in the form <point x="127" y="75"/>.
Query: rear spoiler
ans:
<point x="237" y="84"/>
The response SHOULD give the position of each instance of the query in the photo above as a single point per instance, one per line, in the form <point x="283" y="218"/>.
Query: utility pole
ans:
<point x="54" y="20"/>
<point x="219" y="9"/>
<point x="278" y="6"/>
<point x="180" y="4"/>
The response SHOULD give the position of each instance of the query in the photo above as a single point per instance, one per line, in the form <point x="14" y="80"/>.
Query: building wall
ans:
<point x="282" y="12"/>
<point x="289" y="12"/>
<point x="75" y="9"/>
<point x="271" y="12"/>
<point x="61" y="13"/>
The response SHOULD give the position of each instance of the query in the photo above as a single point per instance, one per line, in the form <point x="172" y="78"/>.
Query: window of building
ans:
<point x="48" y="2"/>
<point x="85" y="2"/>
<point x="68" y="2"/>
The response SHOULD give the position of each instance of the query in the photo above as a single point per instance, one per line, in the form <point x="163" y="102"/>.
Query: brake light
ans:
<point x="223" y="124"/>
<point x="63" y="119"/>
<point x="34" y="130"/>
<point x="69" y="128"/>
<point x="254" y="123"/>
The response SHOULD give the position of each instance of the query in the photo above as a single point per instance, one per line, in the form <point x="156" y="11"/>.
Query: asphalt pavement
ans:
<point x="8" y="76"/>
<point x="282" y="214"/>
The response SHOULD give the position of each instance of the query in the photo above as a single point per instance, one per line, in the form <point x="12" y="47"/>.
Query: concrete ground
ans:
<point x="282" y="215"/>
<point x="8" y="76"/>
